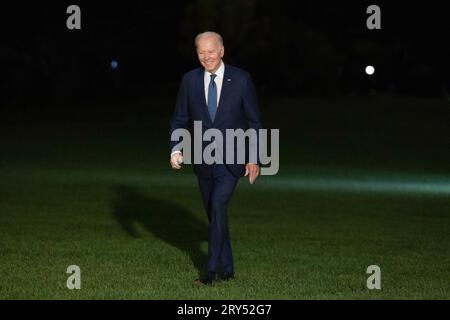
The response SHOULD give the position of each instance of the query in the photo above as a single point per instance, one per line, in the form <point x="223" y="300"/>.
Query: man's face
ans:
<point x="210" y="52"/>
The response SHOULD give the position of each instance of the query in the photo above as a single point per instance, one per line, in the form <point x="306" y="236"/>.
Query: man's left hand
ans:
<point x="252" y="171"/>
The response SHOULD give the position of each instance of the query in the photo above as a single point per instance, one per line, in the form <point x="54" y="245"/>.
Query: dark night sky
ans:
<point x="290" y="47"/>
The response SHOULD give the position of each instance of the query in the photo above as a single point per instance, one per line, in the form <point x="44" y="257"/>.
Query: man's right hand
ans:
<point x="175" y="160"/>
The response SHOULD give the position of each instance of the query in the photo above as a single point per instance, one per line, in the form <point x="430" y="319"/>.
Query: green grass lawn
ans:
<point x="100" y="195"/>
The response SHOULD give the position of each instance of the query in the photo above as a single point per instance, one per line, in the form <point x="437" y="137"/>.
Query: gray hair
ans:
<point x="209" y="34"/>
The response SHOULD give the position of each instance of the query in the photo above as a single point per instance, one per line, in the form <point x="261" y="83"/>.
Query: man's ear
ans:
<point x="222" y="51"/>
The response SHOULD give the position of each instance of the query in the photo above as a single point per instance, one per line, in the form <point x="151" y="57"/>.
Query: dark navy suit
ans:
<point x="237" y="109"/>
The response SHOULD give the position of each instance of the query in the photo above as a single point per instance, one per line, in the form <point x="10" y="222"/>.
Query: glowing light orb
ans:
<point x="370" y="70"/>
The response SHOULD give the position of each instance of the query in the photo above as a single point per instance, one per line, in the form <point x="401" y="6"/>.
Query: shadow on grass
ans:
<point x="167" y="221"/>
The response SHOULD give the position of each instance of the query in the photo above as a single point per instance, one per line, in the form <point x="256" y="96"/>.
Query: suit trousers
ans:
<point x="217" y="191"/>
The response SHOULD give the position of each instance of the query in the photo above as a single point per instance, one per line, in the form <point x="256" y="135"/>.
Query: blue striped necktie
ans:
<point x="212" y="98"/>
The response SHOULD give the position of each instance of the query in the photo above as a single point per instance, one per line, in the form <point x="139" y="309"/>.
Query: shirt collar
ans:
<point x="219" y="72"/>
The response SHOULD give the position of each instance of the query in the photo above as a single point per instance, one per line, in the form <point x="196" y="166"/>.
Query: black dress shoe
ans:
<point x="225" y="276"/>
<point x="206" y="279"/>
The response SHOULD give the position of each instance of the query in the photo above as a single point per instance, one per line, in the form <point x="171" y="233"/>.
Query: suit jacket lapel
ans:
<point x="224" y="92"/>
<point x="201" y="95"/>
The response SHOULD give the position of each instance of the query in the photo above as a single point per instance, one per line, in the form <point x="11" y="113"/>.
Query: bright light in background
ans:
<point x="114" y="64"/>
<point x="371" y="183"/>
<point x="370" y="70"/>
<point x="368" y="183"/>
<point x="413" y="186"/>
<point x="358" y="181"/>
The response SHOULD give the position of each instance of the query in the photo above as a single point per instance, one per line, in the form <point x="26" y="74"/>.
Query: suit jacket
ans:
<point x="237" y="109"/>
